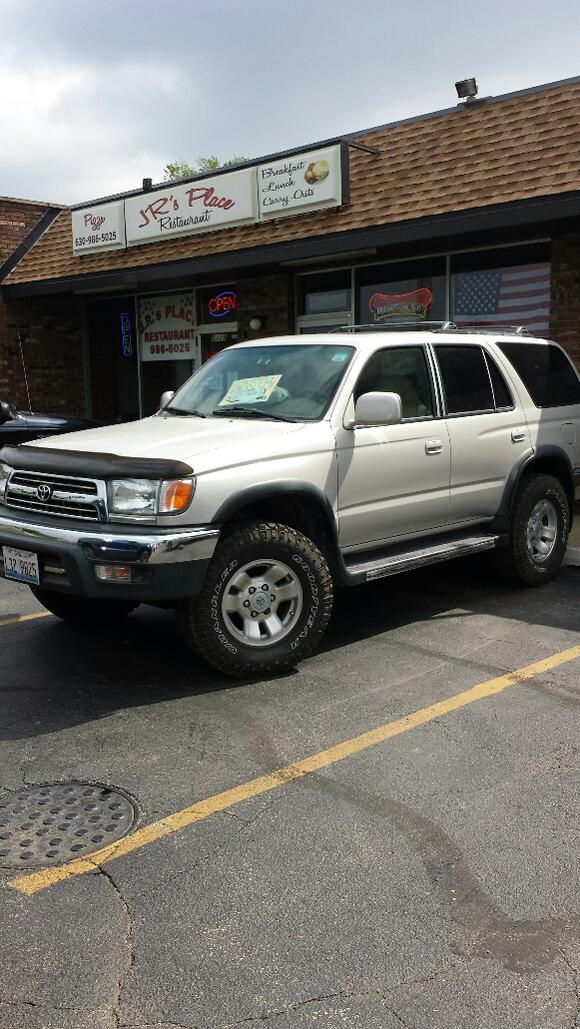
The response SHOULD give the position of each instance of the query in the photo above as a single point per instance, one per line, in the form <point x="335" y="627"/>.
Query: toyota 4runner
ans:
<point x="288" y="467"/>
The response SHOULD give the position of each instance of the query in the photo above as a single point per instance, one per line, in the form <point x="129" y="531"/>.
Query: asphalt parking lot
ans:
<point x="426" y="877"/>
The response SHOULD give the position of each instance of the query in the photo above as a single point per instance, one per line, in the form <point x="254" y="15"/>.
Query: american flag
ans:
<point x="518" y="295"/>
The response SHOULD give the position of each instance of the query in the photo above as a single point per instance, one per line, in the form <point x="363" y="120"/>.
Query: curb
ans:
<point x="572" y="557"/>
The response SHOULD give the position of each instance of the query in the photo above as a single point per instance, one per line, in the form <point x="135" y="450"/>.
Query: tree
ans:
<point x="180" y="169"/>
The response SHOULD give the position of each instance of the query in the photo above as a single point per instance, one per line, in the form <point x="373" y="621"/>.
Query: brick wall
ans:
<point x="565" y="293"/>
<point x="269" y="297"/>
<point x="50" y="331"/>
<point x="17" y="219"/>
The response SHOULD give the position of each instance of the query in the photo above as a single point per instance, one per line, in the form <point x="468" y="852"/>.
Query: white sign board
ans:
<point x="101" y="227"/>
<point x="167" y="327"/>
<point x="303" y="182"/>
<point x="201" y="206"/>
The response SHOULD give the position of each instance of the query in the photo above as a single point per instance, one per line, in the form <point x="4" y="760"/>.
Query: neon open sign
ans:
<point x="223" y="304"/>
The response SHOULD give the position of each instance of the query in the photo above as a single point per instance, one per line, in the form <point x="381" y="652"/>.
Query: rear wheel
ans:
<point x="265" y="603"/>
<point x="539" y="532"/>
<point x="82" y="611"/>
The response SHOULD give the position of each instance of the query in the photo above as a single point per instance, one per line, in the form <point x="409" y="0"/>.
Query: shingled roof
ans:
<point x="518" y="147"/>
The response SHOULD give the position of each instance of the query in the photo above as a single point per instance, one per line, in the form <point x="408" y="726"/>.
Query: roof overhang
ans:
<point x="546" y="214"/>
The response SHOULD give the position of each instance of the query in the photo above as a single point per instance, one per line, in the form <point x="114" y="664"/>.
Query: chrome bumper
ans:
<point x="157" y="547"/>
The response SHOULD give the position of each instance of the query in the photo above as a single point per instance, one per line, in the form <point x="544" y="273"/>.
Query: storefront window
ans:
<point x="113" y="358"/>
<point x="502" y="287"/>
<point x="217" y="304"/>
<point x="324" y="293"/>
<point x="166" y="326"/>
<point x="413" y="291"/>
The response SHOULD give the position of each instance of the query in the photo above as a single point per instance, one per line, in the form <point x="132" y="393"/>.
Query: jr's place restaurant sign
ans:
<point x="304" y="182"/>
<point x="166" y="327"/>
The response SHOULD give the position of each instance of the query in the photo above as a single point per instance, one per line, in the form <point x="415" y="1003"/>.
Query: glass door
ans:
<point x="210" y="341"/>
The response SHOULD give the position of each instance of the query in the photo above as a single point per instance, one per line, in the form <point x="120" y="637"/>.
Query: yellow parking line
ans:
<point x="172" y="823"/>
<point x="24" y="618"/>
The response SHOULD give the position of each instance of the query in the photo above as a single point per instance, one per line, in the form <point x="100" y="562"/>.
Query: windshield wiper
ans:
<point x="182" y="411"/>
<point x="250" y="412"/>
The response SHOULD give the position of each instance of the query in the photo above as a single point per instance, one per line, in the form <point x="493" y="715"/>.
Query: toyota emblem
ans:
<point x="44" y="493"/>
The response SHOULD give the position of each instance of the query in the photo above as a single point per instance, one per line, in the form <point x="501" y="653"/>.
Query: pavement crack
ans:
<point x="575" y="984"/>
<point x="129" y="947"/>
<point x="395" y="1014"/>
<point x="10" y="1002"/>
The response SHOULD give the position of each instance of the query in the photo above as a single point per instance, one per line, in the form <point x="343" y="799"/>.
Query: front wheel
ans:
<point x="539" y="532"/>
<point x="82" y="611"/>
<point x="265" y="603"/>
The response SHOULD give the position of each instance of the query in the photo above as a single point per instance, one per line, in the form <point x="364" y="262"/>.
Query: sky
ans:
<point x="95" y="95"/>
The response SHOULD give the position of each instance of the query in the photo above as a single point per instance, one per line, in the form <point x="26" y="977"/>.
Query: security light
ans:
<point x="466" y="89"/>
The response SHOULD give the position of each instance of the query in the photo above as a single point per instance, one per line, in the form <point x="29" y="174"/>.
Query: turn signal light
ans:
<point x="175" y="495"/>
<point x="113" y="573"/>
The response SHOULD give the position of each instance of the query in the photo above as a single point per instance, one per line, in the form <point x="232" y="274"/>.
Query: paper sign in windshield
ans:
<point x="251" y="391"/>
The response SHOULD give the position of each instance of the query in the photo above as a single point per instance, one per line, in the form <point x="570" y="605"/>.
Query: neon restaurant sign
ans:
<point x="223" y="304"/>
<point x="396" y="307"/>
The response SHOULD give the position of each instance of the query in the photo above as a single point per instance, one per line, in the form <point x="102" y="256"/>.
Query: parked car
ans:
<point x="287" y="467"/>
<point x="23" y="426"/>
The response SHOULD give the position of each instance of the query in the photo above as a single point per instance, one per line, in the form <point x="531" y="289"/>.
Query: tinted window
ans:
<point x="501" y="393"/>
<point x="392" y="293"/>
<point x="465" y="379"/>
<point x="548" y="375"/>
<point x="502" y="287"/>
<point x="401" y="370"/>
<point x="324" y="293"/>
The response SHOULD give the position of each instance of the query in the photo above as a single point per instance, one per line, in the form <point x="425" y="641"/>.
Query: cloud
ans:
<point x="96" y="95"/>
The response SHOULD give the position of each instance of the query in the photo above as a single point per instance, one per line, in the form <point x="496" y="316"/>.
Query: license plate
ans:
<point x="21" y="565"/>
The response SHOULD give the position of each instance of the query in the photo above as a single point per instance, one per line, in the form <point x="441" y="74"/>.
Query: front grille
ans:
<point x="62" y="495"/>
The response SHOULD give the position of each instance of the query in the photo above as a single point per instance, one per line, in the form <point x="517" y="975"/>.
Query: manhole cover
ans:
<point x="56" y="822"/>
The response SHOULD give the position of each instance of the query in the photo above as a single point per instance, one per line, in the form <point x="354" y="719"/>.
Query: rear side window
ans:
<point x="548" y="375"/>
<point x="502" y="396"/>
<point x="466" y="381"/>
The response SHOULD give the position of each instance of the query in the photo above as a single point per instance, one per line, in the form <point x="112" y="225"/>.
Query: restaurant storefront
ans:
<point x="423" y="221"/>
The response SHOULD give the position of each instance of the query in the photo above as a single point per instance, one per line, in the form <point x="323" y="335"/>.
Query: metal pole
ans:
<point x="24" y="370"/>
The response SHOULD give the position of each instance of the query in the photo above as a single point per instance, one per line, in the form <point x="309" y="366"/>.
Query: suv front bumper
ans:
<point x="166" y="564"/>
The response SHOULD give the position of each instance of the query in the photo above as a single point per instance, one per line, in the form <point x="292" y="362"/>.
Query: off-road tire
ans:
<point x="202" y="622"/>
<point x="82" y="611"/>
<point x="514" y="564"/>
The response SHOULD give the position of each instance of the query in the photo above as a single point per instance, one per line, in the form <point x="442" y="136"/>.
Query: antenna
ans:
<point x="24" y="370"/>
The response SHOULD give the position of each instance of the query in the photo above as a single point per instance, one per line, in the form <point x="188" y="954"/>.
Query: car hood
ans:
<point x="54" y="422"/>
<point x="189" y="439"/>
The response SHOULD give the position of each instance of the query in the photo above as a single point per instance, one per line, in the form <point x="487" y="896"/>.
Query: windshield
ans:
<point x="294" y="382"/>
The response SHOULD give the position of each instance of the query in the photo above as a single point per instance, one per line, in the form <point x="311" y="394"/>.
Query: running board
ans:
<point x="397" y="560"/>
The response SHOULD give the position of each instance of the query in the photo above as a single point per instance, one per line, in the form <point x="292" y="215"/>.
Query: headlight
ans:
<point x="150" y="497"/>
<point x="5" y="471"/>
<point x="133" y="496"/>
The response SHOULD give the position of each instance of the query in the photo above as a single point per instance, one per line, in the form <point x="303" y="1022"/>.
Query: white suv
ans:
<point x="287" y="467"/>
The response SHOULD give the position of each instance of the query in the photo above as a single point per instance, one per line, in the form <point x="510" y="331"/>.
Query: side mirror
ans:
<point x="5" y="412"/>
<point x="378" y="409"/>
<point x="165" y="398"/>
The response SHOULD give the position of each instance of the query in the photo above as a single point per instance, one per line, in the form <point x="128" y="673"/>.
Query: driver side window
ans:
<point x="401" y="370"/>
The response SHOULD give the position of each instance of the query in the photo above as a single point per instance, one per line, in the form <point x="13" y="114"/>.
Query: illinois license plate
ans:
<point x="21" y="565"/>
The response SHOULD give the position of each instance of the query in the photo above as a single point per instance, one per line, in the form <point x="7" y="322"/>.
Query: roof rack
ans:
<point x="406" y="326"/>
<point x="395" y="327"/>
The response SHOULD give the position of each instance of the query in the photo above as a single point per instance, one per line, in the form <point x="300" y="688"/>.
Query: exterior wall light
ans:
<point x="256" y="324"/>
<point x="466" y="89"/>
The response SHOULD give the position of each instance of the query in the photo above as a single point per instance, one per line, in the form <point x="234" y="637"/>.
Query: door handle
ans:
<point x="433" y="446"/>
<point x="518" y="436"/>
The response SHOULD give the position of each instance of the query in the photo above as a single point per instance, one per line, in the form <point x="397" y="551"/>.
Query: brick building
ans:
<point x="470" y="214"/>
